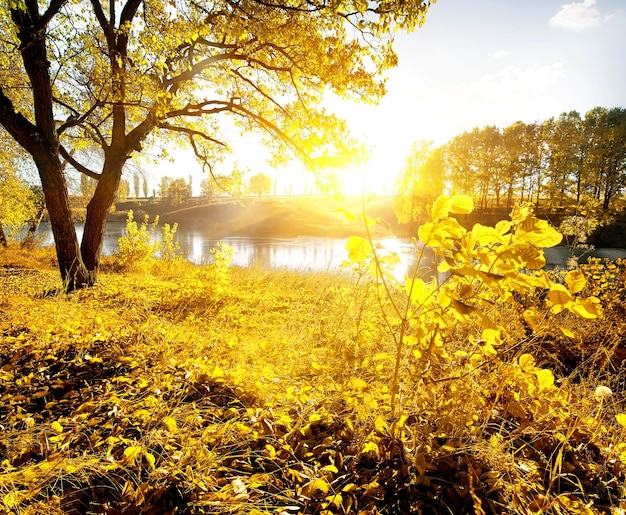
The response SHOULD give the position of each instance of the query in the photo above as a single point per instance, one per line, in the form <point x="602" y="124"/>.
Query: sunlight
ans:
<point x="369" y="177"/>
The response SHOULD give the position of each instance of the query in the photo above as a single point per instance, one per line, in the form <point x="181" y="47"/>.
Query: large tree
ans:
<point x="108" y="75"/>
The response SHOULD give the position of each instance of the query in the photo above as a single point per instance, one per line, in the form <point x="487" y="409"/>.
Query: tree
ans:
<point x="107" y="75"/>
<point x="460" y="170"/>
<point x="207" y="187"/>
<point x="260" y="184"/>
<point x="123" y="190"/>
<point x="17" y="203"/>
<point x="164" y="186"/>
<point x="606" y="130"/>
<point x="178" y="192"/>
<point x="420" y="181"/>
<point x="567" y="161"/>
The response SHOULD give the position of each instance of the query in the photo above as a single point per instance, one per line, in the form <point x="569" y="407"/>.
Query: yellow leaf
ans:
<point x="349" y="216"/>
<point x="503" y="226"/>
<point x="545" y="378"/>
<point x="371" y="447"/>
<point x="559" y="295"/>
<point x="621" y="419"/>
<point x="331" y="468"/>
<point x="170" y="424"/>
<point x="319" y="484"/>
<point x="56" y="426"/>
<point x="132" y="452"/>
<point x="12" y="499"/>
<point x="426" y="232"/>
<point x="417" y="290"/>
<point x="532" y="319"/>
<point x="461" y="204"/>
<point x="527" y="362"/>
<point x="335" y="501"/>
<point x="538" y="232"/>
<point x="575" y="281"/>
<point x="359" y="249"/>
<point x="567" y="332"/>
<point x="486" y="235"/>
<point x="380" y="424"/>
<point x="358" y="384"/>
<point x="128" y="492"/>
<point x="491" y="336"/>
<point x="217" y="373"/>
<point x="150" y="459"/>
<point x="441" y="208"/>
<point x="587" y="308"/>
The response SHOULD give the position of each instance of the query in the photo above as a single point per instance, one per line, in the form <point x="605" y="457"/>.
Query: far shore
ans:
<point x="318" y="215"/>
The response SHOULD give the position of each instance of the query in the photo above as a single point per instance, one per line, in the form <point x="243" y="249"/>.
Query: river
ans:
<point x="304" y="253"/>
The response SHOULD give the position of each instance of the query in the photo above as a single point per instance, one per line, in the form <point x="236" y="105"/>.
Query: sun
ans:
<point x="369" y="177"/>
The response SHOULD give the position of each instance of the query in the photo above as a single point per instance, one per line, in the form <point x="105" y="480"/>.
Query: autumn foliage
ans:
<point x="175" y="388"/>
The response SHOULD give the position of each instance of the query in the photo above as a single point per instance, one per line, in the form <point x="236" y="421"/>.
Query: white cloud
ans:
<point x="576" y="16"/>
<point x="501" y="53"/>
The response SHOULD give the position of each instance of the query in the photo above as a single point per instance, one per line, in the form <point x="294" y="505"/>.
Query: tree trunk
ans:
<point x="71" y="265"/>
<point x="97" y="211"/>
<point x="3" y="238"/>
<point x="30" y="235"/>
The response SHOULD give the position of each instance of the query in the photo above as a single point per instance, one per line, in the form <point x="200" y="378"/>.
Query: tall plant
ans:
<point x="472" y="270"/>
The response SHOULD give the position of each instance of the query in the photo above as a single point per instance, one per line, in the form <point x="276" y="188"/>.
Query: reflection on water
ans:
<point x="302" y="253"/>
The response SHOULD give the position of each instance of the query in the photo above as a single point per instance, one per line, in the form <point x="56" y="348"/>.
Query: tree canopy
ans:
<point x="570" y="161"/>
<point x="112" y="77"/>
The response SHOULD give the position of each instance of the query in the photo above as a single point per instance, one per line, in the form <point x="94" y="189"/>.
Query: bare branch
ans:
<point x="79" y="167"/>
<point x="191" y="133"/>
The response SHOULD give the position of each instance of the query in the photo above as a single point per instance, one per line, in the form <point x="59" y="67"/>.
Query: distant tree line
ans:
<point x="569" y="161"/>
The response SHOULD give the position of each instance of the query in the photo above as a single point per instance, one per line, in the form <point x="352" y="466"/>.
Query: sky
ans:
<point x="484" y="62"/>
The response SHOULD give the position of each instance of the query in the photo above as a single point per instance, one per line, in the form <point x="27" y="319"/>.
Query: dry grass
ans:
<point x="183" y="390"/>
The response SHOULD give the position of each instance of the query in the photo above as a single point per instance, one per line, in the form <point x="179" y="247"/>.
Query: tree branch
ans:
<point x="79" y="167"/>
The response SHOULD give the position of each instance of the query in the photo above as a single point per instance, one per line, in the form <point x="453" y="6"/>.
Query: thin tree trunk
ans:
<point x="3" y="238"/>
<point x="30" y="235"/>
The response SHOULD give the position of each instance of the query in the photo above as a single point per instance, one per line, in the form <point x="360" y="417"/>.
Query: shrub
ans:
<point x="139" y="244"/>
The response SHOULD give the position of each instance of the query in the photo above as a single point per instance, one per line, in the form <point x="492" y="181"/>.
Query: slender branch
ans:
<point x="74" y="120"/>
<point x="53" y="9"/>
<point x="174" y="82"/>
<point x="191" y="133"/>
<point x="257" y="88"/>
<point x="79" y="167"/>
<point x="273" y="130"/>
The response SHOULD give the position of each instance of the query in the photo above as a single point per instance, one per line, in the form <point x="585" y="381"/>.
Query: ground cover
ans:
<point x="174" y="388"/>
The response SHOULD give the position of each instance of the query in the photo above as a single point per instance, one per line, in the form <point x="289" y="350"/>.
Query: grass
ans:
<point x="177" y="388"/>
